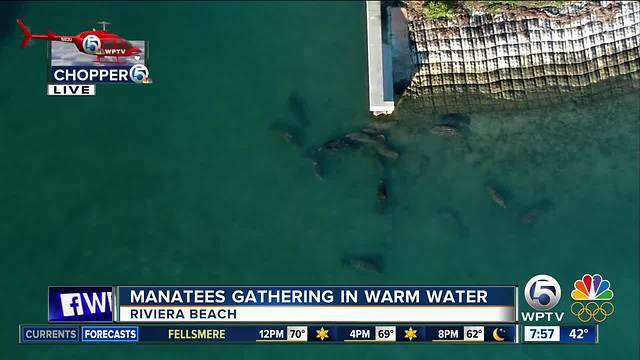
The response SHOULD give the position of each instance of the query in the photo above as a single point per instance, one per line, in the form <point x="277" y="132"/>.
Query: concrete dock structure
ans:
<point x="381" y="99"/>
<point x="524" y="58"/>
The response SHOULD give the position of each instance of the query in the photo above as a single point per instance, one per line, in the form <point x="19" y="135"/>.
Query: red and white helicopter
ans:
<point x="100" y="43"/>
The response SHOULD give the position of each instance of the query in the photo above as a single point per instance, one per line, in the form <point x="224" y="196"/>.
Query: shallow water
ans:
<point x="183" y="182"/>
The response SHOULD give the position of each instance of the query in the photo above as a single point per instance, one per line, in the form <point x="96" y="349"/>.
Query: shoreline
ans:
<point x="514" y="57"/>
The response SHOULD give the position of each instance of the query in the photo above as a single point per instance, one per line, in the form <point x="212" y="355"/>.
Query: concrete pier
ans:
<point x="380" y="63"/>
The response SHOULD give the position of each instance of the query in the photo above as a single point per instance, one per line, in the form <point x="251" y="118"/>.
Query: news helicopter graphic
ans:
<point x="98" y="43"/>
<point x="78" y="62"/>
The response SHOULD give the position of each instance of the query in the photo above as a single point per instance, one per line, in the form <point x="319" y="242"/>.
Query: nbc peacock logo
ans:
<point x="592" y="295"/>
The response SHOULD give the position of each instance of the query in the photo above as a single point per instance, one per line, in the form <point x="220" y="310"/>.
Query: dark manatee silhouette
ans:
<point x="317" y="161"/>
<point x="447" y="130"/>
<point x="452" y="220"/>
<point x="532" y="213"/>
<point x="355" y="140"/>
<point x="453" y="126"/>
<point x="9" y="12"/>
<point x="297" y="107"/>
<point x="317" y="156"/>
<point x="337" y="144"/>
<point x="458" y="120"/>
<point x="450" y="125"/>
<point x="288" y="132"/>
<point x="382" y="195"/>
<point x="318" y="168"/>
<point x="499" y="193"/>
<point x="375" y="139"/>
<point x="371" y="264"/>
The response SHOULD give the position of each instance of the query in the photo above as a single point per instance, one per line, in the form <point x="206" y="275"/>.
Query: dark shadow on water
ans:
<point x="451" y="218"/>
<point x="372" y="264"/>
<point x="382" y="195"/>
<point x="9" y="12"/>
<point x="298" y="109"/>
<point x="455" y="119"/>
<point x="532" y="213"/>
<point x="292" y="134"/>
<point x="501" y="189"/>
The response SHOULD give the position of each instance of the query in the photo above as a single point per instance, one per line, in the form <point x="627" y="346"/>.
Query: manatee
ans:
<point x="383" y="150"/>
<point x="373" y="132"/>
<point x="451" y="219"/>
<point x="382" y="194"/>
<point x="454" y="119"/>
<point x="288" y="132"/>
<point x="339" y="144"/>
<point x="318" y="169"/>
<point x="365" y="264"/>
<point x="497" y="197"/>
<point x="289" y="137"/>
<point x="446" y="130"/>
<point x="362" y="137"/>
<point x="529" y="217"/>
<point x="532" y="213"/>
<point x="296" y="105"/>
<point x="376" y="140"/>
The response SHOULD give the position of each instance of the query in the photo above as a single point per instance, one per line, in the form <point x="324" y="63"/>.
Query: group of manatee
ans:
<point x="376" y="138"/>
<point x="366" y="137"/>
<point x="528" y="215"/>
<point x="457" y="125"/>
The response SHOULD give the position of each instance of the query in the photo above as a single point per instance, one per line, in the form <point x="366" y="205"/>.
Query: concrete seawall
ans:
<point x="514" y="59"/>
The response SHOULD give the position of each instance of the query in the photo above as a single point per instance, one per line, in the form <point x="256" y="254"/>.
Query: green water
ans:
<point x="181" y="182"/>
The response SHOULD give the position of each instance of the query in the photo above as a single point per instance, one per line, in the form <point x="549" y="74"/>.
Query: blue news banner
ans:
<point x="339" y="304"/>
<point x="317" y="295"/>
<point x="402" y="304"/>
<point x="426" y="314"/>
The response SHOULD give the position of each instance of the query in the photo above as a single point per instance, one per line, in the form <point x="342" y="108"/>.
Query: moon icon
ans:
<point x="497" y="336"/>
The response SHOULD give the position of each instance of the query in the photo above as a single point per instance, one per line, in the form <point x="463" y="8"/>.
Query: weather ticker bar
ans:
<point x="329" y="314"/>
<point x="66" y="334"/>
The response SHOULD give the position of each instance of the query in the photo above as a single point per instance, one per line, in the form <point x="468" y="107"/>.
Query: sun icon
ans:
<point x="410" y="333"/>
<point x="322" y="334"/>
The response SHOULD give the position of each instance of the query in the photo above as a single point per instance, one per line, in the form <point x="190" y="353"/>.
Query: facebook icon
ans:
<point x="80" y="304"/>
<point x="71" y="304"/>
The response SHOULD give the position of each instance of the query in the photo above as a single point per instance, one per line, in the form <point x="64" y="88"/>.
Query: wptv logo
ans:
<point x="85" y="304"/>
<point x="542" y="293"/>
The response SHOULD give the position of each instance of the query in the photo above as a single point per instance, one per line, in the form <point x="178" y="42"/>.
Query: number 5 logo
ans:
<point x="542" y="292"/>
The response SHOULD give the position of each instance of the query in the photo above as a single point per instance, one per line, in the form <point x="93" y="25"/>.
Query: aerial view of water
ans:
<point x="185" y="181"/>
